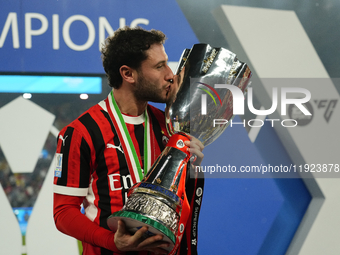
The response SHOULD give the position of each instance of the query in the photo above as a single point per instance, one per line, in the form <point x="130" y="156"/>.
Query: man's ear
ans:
<point x="128" y="74"/>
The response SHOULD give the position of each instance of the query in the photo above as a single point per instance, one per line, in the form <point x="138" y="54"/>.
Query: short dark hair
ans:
<point x="127" y="46"/>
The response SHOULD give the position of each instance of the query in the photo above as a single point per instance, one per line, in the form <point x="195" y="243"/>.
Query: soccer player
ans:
<point x="100" y="153"/>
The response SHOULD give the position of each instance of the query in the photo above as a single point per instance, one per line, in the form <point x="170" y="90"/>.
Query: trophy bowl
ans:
<point x="200" y="69"/>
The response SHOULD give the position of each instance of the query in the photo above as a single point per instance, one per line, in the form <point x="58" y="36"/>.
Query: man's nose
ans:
<point x="170" y="75"/>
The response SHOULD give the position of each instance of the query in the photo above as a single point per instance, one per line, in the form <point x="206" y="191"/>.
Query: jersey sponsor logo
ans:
<point x="118" y="182"/>
<point x="58" y="167"/>
<point x="63" y="139"/>
<point x="119" y="147"/>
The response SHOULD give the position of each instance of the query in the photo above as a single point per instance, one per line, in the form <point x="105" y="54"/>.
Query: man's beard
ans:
<point x="146" y="91"/>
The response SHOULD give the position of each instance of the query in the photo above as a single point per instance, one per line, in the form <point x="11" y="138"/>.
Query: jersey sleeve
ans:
<point x="70" y="221"/>
<point x="72" y="163"/>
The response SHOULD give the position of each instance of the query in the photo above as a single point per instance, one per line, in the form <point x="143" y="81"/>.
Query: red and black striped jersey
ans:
<point x="90" y="160"/>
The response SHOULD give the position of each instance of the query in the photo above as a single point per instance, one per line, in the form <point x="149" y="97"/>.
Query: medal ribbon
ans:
<point x="130" y="153"/>
<point x="195" y="206"/>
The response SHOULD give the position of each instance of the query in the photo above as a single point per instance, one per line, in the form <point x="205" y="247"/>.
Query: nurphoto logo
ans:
<point x="238" y="103"/>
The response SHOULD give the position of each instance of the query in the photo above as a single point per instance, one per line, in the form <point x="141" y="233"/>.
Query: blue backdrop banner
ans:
<point x="65" y="36"/>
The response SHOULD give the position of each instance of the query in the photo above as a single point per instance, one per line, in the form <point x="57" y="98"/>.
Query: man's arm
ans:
<point x="70" y="221"/>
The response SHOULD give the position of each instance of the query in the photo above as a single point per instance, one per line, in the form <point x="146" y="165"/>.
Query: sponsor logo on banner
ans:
<point x="328" y="106"/>
<point x="325" y="105"/>
<point x="301" y="119"/>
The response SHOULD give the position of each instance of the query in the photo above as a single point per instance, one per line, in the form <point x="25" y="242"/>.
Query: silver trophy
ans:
<point x="201" y="68"/>
<point x="157" y="201"/>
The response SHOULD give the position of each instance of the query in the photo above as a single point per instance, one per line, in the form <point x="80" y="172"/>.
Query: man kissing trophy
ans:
<point x="168" y="198"/>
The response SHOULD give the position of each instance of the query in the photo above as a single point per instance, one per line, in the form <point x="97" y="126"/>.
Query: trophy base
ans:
<point x="134" y="221"/>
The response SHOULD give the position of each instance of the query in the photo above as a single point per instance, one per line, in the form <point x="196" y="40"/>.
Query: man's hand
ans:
<point x="195" y="148"/>
<point x="126" y="242"/>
